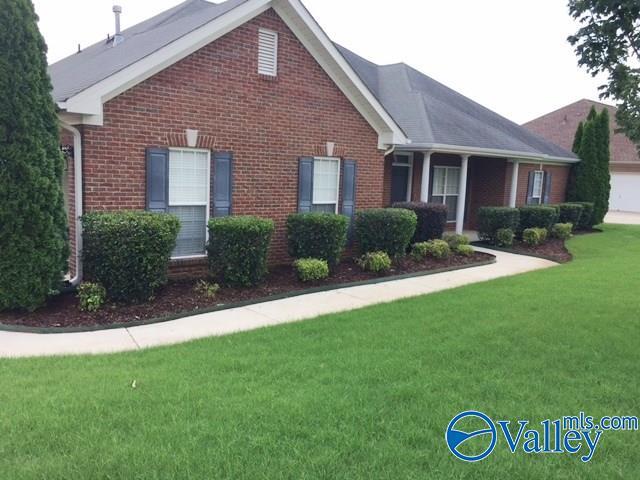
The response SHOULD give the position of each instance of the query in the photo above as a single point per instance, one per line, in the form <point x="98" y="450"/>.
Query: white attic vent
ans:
<point x="267" y="52"/>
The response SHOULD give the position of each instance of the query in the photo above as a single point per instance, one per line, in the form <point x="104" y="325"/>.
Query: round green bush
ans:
<point x="586" y="221"/>
<point x="492" y="219"/>
<point x="387" y="230"/>
<point x="465" y="250"/>
<point x="431" y="217"/>
<point x="376" y="262"/>
<point x="538" y="216"/>
<point x="91" y="296"/>
<point x="454" y="240"/>
<point x="439" y="249"/>
<point x="534" y="236"/>
<point x="128" y="252"/>
<point x="317" y="235"/>
<point x="505" y="237"/>
<point x="562" y="231"/>
<point x="570" y="213"/>
<point x="238" y="249"/>
<point x="311" y="269"/>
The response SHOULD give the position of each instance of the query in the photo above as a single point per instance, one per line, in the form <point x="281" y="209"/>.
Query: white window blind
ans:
<point x="326" y="177"/>
<point x="446" y="187"/>
<point x="267" y="52"/>
<point x="189" y="199"/>
<point x="538" y="180"/>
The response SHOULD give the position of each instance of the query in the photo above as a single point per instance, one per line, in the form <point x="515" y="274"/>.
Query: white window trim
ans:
<point x="541" y="174"/>
<point x="445" y="194"/>
<point x="409" y="165"/>
<point x="273" y="73"/>
<point x="208" y="204"/>
<point x="337" y="202"/>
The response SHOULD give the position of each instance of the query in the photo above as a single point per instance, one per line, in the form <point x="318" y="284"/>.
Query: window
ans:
<point x="538" y="183"/>
<point x="446" y="185"/>
<point x="267" y="52"/>
<point x="326" y="181"/>
<point x="189" y="199"/>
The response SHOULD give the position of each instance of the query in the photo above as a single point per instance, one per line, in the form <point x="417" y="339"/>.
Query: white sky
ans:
<point x="509" y="55"/>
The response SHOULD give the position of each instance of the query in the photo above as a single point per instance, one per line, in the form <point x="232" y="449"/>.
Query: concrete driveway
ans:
<point x="625" y="218"/>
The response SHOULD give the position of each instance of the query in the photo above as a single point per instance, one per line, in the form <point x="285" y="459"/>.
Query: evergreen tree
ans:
<point x="581" y="187"/>
<point x="33" y="227"/>
<point x="603" y="175"/>
<point x="578" y="138"/>
<point x="572" y="194"/>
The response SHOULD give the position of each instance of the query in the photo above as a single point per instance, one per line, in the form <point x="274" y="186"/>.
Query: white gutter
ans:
<point x="77" y="177"/>
<point x="460" y="150"/>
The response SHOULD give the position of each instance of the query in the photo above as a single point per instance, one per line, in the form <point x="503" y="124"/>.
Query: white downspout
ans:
<point x="77" y="180"/>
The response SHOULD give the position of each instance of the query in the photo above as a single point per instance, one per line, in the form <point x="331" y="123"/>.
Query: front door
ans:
<point x="400" y="177"/>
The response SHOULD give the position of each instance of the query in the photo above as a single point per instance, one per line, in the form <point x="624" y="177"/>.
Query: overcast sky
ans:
<point x="511" y="56"/>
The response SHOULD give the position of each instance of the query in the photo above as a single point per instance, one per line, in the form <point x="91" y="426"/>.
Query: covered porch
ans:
<point x="463" y="183"/>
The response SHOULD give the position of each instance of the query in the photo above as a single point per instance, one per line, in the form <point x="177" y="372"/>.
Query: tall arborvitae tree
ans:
<point x="33" y="227"/>
<point x="603" y="176"/>
<point x="590" y="180"/>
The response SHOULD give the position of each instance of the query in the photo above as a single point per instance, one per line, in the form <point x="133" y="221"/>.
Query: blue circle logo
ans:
<point x="456" y="436"/>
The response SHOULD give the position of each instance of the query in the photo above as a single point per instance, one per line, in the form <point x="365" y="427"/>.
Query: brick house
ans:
<point x="247" y="108"/>
<point x="560" y="128"/>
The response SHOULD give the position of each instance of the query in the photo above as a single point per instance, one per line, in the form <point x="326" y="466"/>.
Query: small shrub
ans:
<point x="419" y="251"/>
<point x="465" y="250"/>
<point x="537" y="216"/>
<point x="562" y="231"/>
<point x="492" y="219"/>
<point x="377" y="262"/>
<point x="207" y="289"/>
<point x="586" y="221"/>
<point x="570" y="213"/>
<point x="454" y="240"/>
<point x="311" y="269"/>
<point x="238" y="248"/>
<point x="431" y="217"/>
<point x="92" y="296"/>
<point x="317" y="235"/>
<point x="128" y="252"/>
<point x="439" y="249"/>
<point x="534" y="236"/>
<point x="505" y="237"/>
<point x="385" y="230"/>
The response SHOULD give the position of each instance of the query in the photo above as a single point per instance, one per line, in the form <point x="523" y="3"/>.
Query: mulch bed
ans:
<point x="553" y="249"/>
<point x="179" y="297"/>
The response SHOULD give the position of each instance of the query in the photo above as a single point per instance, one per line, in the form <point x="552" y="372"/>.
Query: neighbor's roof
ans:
<point x="431" y="113"/>
<point x="82" y="70"/>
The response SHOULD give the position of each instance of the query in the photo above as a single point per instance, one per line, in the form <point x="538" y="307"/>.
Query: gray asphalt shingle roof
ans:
<point x="427" y="111"/>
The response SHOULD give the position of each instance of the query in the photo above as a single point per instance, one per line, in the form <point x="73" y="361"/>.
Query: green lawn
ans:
<point x="366" y="394"/>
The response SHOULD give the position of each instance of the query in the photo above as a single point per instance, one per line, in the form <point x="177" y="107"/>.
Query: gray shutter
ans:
<point x="305" y="185"/>
<point x="546" y="196"/>
<point x="157" y="179"/>
<point x="530" y="188"/>
<point x="222" y="183"/>
<point x="349" y="192"/>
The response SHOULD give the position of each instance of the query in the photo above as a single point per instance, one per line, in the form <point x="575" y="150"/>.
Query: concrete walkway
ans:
<point x="257" y="316"/>
<point x="624" y="218"/>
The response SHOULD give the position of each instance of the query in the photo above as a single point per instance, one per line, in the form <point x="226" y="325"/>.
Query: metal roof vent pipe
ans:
<point x="117" y="38"/>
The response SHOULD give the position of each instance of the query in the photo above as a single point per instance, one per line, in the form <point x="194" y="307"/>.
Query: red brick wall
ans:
<point x="66" y="139"/>
<point x="486" y="186"/>
<point x="560" y="176"/>
<point x="267" y="124"/>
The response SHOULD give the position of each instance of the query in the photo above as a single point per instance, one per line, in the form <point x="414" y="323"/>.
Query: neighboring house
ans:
<point x="247" y="108"/>
<point x="560" y="127"/>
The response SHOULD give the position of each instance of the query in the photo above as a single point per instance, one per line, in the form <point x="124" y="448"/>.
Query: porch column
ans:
<point x="426" y="170"/>
<point x="514" y="184"/>
<point x="462" y="194"/>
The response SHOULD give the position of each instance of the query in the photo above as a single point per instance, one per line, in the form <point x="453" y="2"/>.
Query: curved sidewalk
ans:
<point x="276" y="312"/>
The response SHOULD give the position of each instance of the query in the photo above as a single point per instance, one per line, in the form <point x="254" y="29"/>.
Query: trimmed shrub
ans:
<point x="570" y="213"/>
<point x="317" y="235"/>
<point x="432" y="219"/>
<point x="454" y="240"/>
<point x="465" y="250"/>
<point x="207" y="289"/>
<point x="91" y="296"/>
<point x="311" y="269"/>
<point x="419" y="251"/>
<point x="537" y="216"/>
<point x="534" y="236"/>
<point x="492" y="219"/>
<point x="129" y="252"/>
<point x="377" y="262"/>
<point x="439" y="249"/>
<point x="387" y="230"/>
<point x="586" y="221"/>
<point x="562" y="231"/>
<point x="505" y="237"/>
<point x="238" y="248"/>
